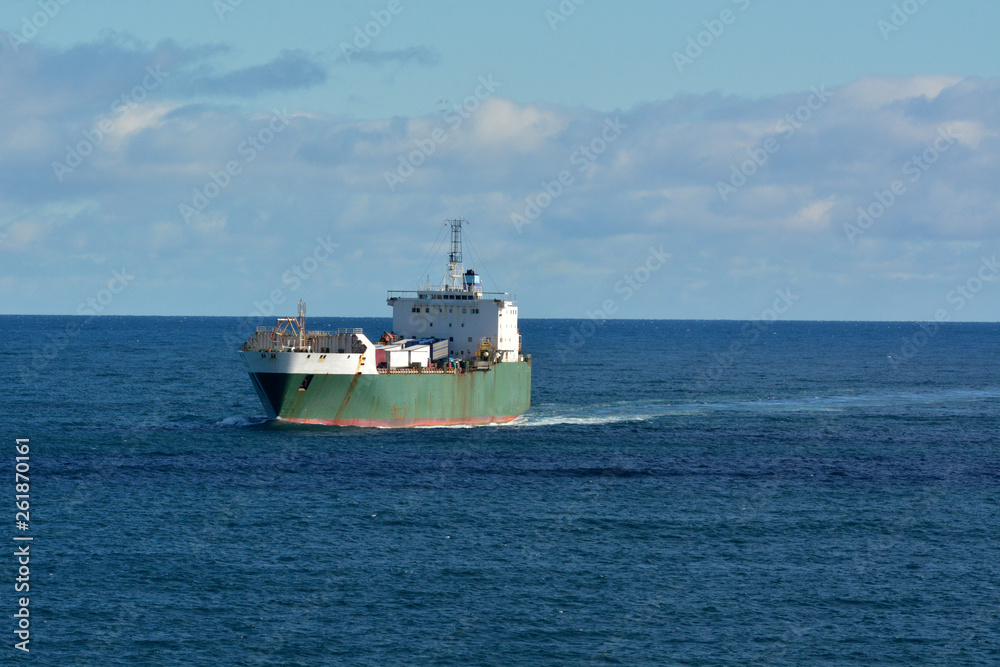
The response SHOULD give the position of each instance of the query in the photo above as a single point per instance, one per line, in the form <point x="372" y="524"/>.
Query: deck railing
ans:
<point x="406" y="370"/>
<point x="438" y="295"/>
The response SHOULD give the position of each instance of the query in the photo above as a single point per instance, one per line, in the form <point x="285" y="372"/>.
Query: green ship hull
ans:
<point x="399" y="399"/>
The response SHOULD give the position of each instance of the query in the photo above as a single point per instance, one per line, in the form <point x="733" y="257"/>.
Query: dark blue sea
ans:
<point x="681" y="492"/>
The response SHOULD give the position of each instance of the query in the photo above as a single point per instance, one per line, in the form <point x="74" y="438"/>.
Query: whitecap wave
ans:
<point x="241" y="420"/>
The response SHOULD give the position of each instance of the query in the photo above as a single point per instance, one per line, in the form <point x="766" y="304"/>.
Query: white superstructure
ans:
<point x="475" y="323"/>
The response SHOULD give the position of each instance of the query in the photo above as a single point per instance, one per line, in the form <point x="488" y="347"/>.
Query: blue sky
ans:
<point x="839" y="159"/>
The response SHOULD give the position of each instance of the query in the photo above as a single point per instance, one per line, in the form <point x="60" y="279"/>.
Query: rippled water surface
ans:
<point x="679" y="493"/>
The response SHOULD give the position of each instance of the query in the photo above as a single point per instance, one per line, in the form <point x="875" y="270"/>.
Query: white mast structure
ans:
<point x="455" y="266"/>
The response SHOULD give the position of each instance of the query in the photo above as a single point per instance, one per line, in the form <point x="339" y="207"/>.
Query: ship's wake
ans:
<point x="541" y="415"/>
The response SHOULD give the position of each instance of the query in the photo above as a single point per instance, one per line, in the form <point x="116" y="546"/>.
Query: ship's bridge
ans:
<point x="467" y="318"/>
<point x="458" y="310"/>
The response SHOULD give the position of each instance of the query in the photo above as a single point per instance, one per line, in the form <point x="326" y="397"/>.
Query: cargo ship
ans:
<point x="453" y="356"/>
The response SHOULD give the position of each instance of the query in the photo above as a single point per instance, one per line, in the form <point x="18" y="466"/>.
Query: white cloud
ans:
<point x="500" y="124"/>
<point x="814" y="216"/>
<point x="655" y="183"/>
<point x="874" y="92"/>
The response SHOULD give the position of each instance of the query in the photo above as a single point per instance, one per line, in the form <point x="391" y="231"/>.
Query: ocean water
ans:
<point x="680" y="492"/>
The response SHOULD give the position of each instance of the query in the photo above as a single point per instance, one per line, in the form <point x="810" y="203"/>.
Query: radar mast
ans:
<point x="455" y="267"/>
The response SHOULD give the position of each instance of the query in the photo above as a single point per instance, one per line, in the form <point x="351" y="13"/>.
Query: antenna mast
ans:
<point x="302" y="323"/>
<point x="455" y="267"/>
